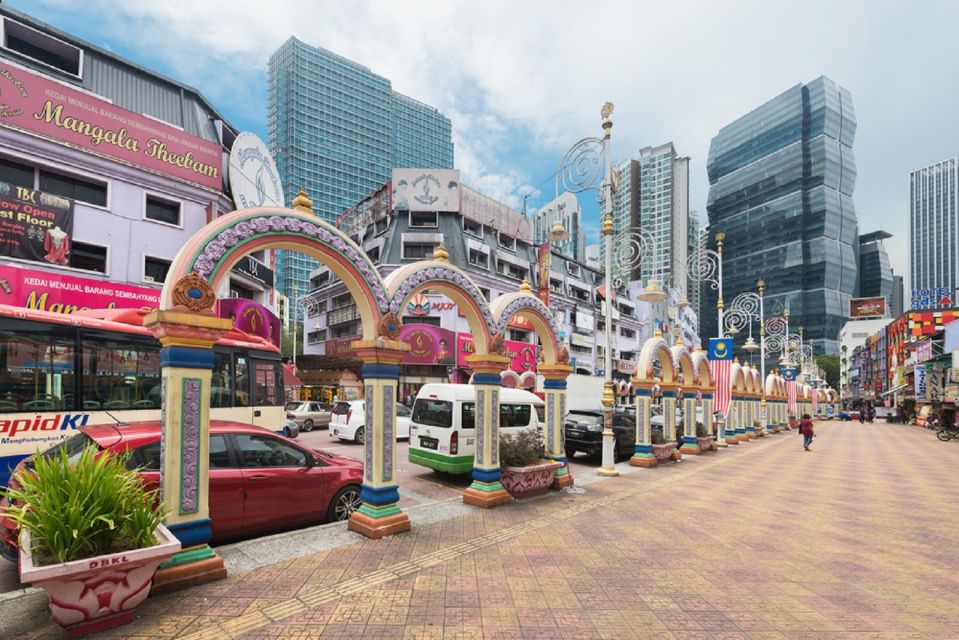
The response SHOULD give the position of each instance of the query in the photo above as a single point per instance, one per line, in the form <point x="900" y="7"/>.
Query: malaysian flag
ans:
<point x="720" y="360"/>
<point x="789" y="375"/>
<point x="815" y="397"/>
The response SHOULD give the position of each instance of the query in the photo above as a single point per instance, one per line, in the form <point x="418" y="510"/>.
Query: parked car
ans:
<point x="290" y="430"/>
<point x="584" y="432"/>
<point x="351" y="424"/>
<point x="310" y="414"/>
<point x="657" y="417"/>
<point x="259" y="481"/>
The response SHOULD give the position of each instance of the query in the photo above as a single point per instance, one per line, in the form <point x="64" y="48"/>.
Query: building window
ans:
<point x="237" y="290"/>
<point x="155" y="269"/>
<point x="507" y="242"/>
<point x="556" y="286"/>
<point x="472" y="227"/>
<point x="430" y="320"/>
<point x="381" y="225"/>
<point x="16" y="174"/>
<point x="320" y="280"/>
<point x="89" y="257"/>
<point x="572" y="268"/>
<point x="627" y="333"/>
<point x="373" y="254"/>
<point x="418" y="250"/>
<point x="519" y="335"/>
<point x="479" y="259"/>
<point x="424" y="219"/>
<point x="163" y="211"/>
<point x="80" y="189"/>
<point x="42" y="48"/>
<point x="511" y="270"/>
<point x="317" y="336"/>
<point x="486" y="293"/>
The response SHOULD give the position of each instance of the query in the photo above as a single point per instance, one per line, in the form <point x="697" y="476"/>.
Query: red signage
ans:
<point x="43" y="291"/>
<point x="428" y="345"/>
<point x="57" y="111"/>
<point x="523" y="355"/>
<point x="867" y="308"/>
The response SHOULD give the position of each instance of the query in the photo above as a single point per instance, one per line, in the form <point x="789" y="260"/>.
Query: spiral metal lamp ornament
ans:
<point x="582" y="166"/>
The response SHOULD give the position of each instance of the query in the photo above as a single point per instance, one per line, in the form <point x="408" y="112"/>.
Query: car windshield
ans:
<point x="341" y="408"/>
<point x="433" y="413"/>
<point x="73" y="446"/>
<point x="584" y="417"/>
<point x="303" y="406"/>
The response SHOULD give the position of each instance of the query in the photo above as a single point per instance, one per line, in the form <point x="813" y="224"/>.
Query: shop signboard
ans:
<point x="255" y="270"/>
<point x="932" y="298"/>
<point x="523" y="355"/>
<point x="920" y="380"/>
<point x="867" y="307"/>
<point x="34" y="225"/>
<point x="426" y="190"/>
<point x="254" y="178"/>
<point x="428" y="345"/>
<point x="625" y="366"/>
<point x="923" y="350"/>
<point x="66" y="115"/>
<point x="43" y="291"/>
<point x="951" y="393"/>
<point x="251" y="317"/>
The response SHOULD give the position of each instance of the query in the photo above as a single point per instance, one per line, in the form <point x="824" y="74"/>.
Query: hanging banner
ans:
<point x="43" y="291"/>
<point x="428" y="345"/>
<point x="920" y="379"/>
<point x="923" y="350"/>
<point x="251" y="317"/>
<point x="34" y="225"/>
<point x="522" y="354"/>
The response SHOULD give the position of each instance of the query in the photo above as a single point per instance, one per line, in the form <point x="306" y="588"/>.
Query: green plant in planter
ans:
<point x="83" y="508"/>
<point x="656" y="437"/>
<point x="701" y="431"/>
<point x="521" y="449"/>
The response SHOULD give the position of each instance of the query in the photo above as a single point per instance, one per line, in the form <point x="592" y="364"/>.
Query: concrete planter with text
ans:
<point x="526" y="482"/>
<point x="97" y="593"/>
<point x="706" y="443"/>
<point x="664" y="452"/>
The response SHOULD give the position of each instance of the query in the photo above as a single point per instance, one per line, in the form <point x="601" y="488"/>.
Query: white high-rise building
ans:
<point x="934" y="233"/>
<point x="563" y="209"/>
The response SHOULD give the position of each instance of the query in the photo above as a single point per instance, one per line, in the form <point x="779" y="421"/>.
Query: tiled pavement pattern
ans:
<point x="855" y="539"/>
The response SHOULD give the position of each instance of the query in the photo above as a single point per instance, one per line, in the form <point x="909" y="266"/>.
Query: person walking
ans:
<point x="805" y="428"/>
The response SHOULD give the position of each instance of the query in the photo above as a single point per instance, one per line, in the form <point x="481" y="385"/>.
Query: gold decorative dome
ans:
<point x="525" y="285"/>
<point x="302" y="202"/>
<point x="441" y="254"/>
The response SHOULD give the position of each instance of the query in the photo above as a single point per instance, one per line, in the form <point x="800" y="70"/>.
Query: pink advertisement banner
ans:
<point x="251" y="317"/>
<point x="43" y="291"/>
<point x="522" y="354"/>
<point x="428" y="345"/>
<point x="53" y="110"/>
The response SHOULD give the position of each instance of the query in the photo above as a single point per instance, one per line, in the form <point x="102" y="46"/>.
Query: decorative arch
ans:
<point x="657" y="348"/>
<point x="525" y="304"/>
<point x="757" y="381"/>
<point x="528" y="380"/>
<point x="213" y="251"/>
<point x="509" y="378"/>
<point x="683" y="365"/>
<point x="772" y="385"/>
<point x="737" y="378"/>
<point x="701" y="363"/>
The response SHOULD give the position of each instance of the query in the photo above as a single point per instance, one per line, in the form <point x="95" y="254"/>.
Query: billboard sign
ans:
<point x="61" y="113"/>
<point x="920" y="380"/>
<point x="428" y="345"/>
<point x="43" y="291"/>
<point x="254" y="178"/>
<point x="251" y="317"/>
<point x="932" y="298"/>
<point x="923" y="350"/>
<point x="522" y="354"/>
<point x="34" y="225"/>
<point x="867" y="308"/>
<point x="426" y="190"/>
<point x="255" y="270"/>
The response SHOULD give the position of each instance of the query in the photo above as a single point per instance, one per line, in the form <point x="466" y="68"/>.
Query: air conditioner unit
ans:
<point x="149" y="279"/>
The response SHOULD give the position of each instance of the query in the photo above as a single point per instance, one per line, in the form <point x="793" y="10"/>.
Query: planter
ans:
<point x="663" y="452"/>
<point x="97" y="593"/>
<point x="706" y="443"/>
<point x="759" y="431"/>
<point x="793" y="422"/>
<point x="526" y="482"/>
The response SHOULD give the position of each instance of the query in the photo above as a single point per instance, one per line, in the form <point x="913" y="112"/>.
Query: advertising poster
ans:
<point x="251" y="317"/>
<point x="426" y="190"/>
<point x="428" y="345"/>
<point x="867" y="308"/>
<point x="43" y="291"/>
<point x="63" y="114"/>
<point x="523" y="355"/>
<point x="920" y="379"/>
<point x="34" y="225"/>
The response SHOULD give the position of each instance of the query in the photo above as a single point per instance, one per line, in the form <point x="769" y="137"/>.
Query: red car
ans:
<point x="259" y="481"/>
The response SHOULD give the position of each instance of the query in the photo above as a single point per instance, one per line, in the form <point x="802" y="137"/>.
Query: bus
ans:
<point x="59" y="372"/>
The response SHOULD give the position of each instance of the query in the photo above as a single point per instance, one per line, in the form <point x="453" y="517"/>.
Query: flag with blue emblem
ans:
<point x="720" y="360"/>
<point x="789" y="375"/>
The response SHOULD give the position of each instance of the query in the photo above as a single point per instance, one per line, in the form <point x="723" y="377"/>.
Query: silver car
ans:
<point x="309" y="414"/>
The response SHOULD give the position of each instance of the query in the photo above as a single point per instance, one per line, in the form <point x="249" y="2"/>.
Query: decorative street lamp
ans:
<point x="706" y="265"/>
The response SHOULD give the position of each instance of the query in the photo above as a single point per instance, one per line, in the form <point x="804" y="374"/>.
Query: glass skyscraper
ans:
<point x="934" y="231"/>
<point x="781" y="183"/>
<point x="337" y="129"/>
<point x="875" y="270"/>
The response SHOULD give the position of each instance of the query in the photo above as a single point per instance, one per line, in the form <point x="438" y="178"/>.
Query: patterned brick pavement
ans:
<point x="763" y="540"/>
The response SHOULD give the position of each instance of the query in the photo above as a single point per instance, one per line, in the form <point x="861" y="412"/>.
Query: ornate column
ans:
<point x="733" y="420"/>
<point x="689" y="423"/>
<point x="741" y="417"/>
<point x="554" y="387"/>
<point x="669" y="414"/>
<point x="379" y="515"/>
<point x="643" y="457"/>
<point x="486" y="490"/>
<point x="187" y="335"/>
<point x="707" y="400"/>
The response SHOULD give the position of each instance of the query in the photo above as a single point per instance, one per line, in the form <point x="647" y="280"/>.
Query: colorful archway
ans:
<point x="654" y="351"/>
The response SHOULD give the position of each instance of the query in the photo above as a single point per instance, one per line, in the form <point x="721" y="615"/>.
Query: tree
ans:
<point x="286" y="341"/>
<point x="830" y="364"/>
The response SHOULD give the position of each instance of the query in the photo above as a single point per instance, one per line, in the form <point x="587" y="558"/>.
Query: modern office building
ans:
<point x="563" y="210"/>
<point x="934" y="232"/>
<point x="895" y="303"/>
<point x="125" y="162"/>
<point x="625" y="211"/>
<point x="337" y="129"/>
<point x="781" y="184"/>
<point x="875" y="271"/>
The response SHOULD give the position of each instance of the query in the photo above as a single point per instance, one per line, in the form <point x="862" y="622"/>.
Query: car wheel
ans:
<point x="344" y="503"/>
<point x="308" y="425"/>
<point x="570" y="452"/>
<point x="286" y="432"/>
<point x="361" y="435"/>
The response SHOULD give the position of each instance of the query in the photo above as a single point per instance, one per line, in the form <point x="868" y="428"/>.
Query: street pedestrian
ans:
<point x="805" y="428"/>
<point x="862" y="414"/>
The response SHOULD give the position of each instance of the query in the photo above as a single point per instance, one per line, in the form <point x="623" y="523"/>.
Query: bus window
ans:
<point x="267" y="383"/>
<point x="242" y="390"/>
<point x="37" y="369"/>
<point x="221" y="387"/>
<point x="120" y="373"/>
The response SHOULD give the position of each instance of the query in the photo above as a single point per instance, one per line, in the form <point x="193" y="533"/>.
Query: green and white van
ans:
<point x="443" y="425"/>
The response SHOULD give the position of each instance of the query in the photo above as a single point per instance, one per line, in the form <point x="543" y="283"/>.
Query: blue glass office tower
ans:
<point x="337" y="129"/>
<point x="781" y="183"/>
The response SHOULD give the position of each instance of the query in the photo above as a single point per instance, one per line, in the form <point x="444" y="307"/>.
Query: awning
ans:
<point x="894" y="390"/>
<point x="602" y="291"/>
<point x="289" y="378"/>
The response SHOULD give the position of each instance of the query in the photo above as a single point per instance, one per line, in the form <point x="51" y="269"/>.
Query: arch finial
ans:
<point x="441" y="254"/>
<point x="525" y="286"/>
<point x="302" y="202"/>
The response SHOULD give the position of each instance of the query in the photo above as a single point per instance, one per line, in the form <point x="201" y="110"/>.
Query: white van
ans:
<point x="443" y="425"/>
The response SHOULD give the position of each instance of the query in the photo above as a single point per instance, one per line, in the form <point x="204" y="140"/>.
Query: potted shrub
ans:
<point x="704" y="439"/>
<point x="90" y="535"/>
<point x="758" y="429"/>
<point x="662" y="450"/>
<point x="525" y="471"/>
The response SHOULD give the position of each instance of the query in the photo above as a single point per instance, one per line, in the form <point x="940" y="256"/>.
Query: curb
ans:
<point x="22" y="611"/>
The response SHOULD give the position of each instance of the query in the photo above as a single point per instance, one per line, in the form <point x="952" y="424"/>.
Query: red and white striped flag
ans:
<point x="791" y="396"/>
<point x="815" y="398"/>
<point x="720" y="360"/>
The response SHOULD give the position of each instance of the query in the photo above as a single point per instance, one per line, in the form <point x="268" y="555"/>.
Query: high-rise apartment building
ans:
<point x="337" y="129"/>
<point x="781" y="183"/>
<point x="934" y="229"/>
<point x="895" y="303"/>
<point x="875" y="270"/>
<point x="563" y="209"/>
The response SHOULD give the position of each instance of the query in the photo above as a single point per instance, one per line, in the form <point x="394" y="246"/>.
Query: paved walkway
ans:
<point x="858" y="538"/>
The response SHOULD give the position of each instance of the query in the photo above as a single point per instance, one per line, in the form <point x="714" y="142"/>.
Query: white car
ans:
<point x="352" y="424"/>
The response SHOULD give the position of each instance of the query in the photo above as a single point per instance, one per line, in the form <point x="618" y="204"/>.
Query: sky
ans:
<point x="523" y="81"/>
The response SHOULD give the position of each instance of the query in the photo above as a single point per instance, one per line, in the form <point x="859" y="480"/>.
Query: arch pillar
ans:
<point x="734" y="429"/>
<point x="554" y="387"/>
<point x="689" y="423"/>
<point x="707" y="400"/>
<point x="643" y="456"/>
<point x="379" y="514"/>
<point x="186" y="366"/>
<point x="486" y="490"/>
